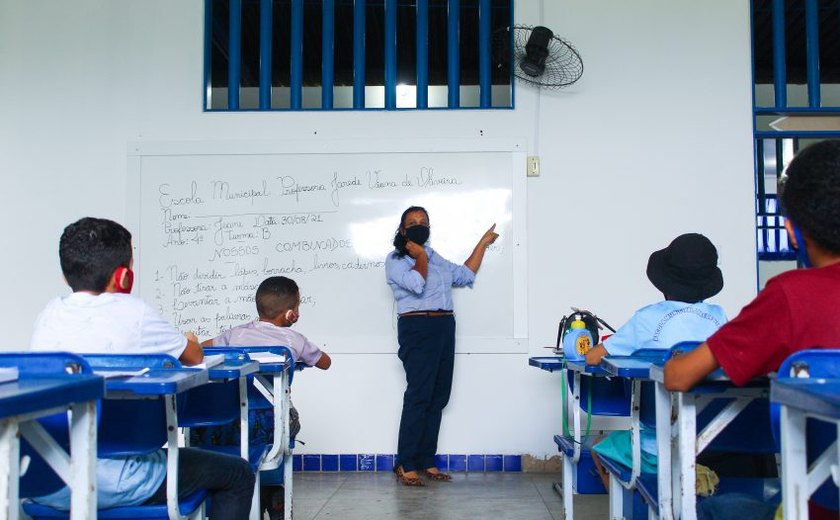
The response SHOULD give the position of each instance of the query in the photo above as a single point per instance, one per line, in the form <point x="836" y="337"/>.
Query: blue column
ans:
<point x="359" y="54"/>
<point x="327" y="54"/>
<point x="234" y="53"/>
<point x="453" y="56"/>
<point x="390" y="54"/>
<point x="422" y="53"/>
<point x="812" y="51"/>
<point x="296" y="57"/>
<point x="208" y="53"/>
<point x="779" y="66"/>
<point x="484" y="78"/>
<point x="266" y="18"/>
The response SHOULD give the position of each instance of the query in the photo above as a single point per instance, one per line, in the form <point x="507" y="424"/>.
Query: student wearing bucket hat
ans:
<point x="687" y="273"/>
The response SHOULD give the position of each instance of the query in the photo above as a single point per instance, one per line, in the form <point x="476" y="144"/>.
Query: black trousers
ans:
<point x="228" y="479"/>
<point x="427" y="351"/>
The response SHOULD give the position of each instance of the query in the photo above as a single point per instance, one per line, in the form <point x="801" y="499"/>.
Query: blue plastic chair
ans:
<point x="812" y="363"/>
<point x="131" y="427"/>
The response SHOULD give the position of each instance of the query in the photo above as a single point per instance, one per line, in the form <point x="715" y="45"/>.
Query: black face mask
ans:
<point x="417" y="234"/>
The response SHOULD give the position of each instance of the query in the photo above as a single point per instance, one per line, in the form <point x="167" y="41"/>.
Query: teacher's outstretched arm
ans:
<point x="474" y="261"/>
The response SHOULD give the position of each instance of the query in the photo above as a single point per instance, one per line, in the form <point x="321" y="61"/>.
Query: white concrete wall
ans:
<point x="655" y="140"/>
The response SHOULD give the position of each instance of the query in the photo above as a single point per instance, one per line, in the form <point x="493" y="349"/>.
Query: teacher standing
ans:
<point x="422" y="282"/>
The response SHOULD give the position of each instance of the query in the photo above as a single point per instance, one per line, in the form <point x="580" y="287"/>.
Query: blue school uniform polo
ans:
<point x="664" y="324"/>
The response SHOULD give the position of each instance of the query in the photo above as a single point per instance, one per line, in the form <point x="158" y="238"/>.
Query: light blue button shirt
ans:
<point x="413" y="293"/>
<point x="664" y="324"/>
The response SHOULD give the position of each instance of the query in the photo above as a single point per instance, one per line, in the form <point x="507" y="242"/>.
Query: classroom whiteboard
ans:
<point x="211" y="220"/>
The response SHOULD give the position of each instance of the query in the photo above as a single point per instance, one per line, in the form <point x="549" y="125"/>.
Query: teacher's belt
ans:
<point x="426" y="314"/>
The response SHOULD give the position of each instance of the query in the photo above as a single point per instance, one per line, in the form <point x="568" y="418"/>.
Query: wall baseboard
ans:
<point x="385" y="462"/>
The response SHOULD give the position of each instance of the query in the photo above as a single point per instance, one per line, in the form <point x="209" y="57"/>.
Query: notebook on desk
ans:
<point x="108" y="373"/>
<point x="211" y="361"/>
<point x="267" y="357"/>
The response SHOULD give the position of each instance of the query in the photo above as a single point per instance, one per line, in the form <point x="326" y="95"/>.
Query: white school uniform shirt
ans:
<point x="264" y="334"/>
<point x="111" y="324"/>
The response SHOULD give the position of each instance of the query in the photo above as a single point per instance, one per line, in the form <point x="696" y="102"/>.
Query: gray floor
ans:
<point x="363" y="496"/>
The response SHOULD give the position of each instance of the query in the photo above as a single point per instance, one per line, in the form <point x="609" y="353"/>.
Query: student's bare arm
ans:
<point x="593" y="357"/>
<point x="324" y="361"/>
<point x="193" y="354"/>
<point x="683" y="372"/>
<point x="207" y="342"/>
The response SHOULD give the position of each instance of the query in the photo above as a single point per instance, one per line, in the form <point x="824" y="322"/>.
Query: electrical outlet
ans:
<point x="533" y="166"/>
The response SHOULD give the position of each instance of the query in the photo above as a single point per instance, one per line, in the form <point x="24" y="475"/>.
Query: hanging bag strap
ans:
<point x="563" y="412"/>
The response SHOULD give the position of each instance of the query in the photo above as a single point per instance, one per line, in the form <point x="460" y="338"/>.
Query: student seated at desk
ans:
<point x="687" y="273"/>
<point x="278" y="308"/>
<point x="797" y="309"/>
<point x="100" y="317"/>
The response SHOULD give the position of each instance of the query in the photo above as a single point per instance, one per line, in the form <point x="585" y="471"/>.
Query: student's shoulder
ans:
<point x="829" y="276"/>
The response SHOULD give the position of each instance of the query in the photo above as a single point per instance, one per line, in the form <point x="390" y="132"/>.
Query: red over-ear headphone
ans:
<point x="123" y="279"/>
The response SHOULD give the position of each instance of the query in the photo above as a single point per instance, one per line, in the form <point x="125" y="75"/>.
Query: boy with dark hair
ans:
<point x="687" y="273"/>
<point x="100" y="317"/>
<point x="797" y="309"/>
<point x="278" y="308"/>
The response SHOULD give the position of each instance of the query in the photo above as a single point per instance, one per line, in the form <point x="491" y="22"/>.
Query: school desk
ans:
<point x="37" y="395"/>
<point x="572" y="445"/>
<point x="676" y="482"/>
<point x="800" y="399"/>
<point x="272" y="382"/>
<point x="636" y="369"/>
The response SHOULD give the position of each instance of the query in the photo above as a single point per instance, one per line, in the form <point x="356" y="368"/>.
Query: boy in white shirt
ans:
<point x="101" y="317"/>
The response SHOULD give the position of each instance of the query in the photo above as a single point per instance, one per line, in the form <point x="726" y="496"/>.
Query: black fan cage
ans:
<point x="563" y="66"/>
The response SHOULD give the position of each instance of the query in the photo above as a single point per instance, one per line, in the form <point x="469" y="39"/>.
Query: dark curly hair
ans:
<point x="399" y="239"/>
<point x="810" y="193"/>
<point x="90" y="250"/>
<point x="276" y="295"/>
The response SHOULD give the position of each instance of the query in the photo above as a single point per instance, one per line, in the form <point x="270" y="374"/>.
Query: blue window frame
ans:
<point x="355" y="54"/>
<point x="796" y="72"/>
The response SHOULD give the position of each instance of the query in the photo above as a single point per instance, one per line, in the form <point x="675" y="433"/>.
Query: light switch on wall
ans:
<point x="533" y="166"/>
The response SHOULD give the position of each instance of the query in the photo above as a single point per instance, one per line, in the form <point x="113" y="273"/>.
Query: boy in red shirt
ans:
<point x="798" y="309"/>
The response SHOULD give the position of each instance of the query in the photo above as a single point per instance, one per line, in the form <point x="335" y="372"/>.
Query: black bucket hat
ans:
<point x="687" y="269"/>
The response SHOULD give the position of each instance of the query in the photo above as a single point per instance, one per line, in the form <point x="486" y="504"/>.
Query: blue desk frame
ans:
<point x="38" y="395"/>
<point x="801" y="399"/>
<point x="637" y="368"/>
<point x="166" y="379"/>
<point x="676" y="481"/>
<point x="578" y="368"/>
<point x="273" y="380"/>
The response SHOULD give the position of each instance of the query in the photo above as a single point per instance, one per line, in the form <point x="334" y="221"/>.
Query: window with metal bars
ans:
<point x="355" y="54"/>
<point x="796" y="66"/>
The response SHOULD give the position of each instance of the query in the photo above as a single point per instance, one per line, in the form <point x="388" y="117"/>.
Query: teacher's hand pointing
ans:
<point x="490" y="236"/>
